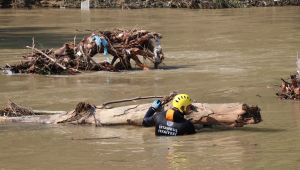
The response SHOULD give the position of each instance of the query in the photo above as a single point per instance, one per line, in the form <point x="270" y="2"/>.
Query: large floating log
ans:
<point x="228" y="114"/>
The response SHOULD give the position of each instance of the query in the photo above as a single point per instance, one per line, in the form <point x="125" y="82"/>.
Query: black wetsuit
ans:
<point x="164" y="127"/>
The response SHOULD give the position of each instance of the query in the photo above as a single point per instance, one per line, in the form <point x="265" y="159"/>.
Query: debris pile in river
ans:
<point x="14" y="110"/>
<point x="82" y="112"/>
<point x="45" y="62"/>
<point x="290" y="90"/>
<point x="72" y="57"/>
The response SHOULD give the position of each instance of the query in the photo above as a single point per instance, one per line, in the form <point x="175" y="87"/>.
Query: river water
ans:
<point x="216" y="56"/>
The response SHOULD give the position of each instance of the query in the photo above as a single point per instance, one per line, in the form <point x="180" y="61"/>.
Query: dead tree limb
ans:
<point x="285" y="81"/>
<point x="51" y="59"/>
<point x="48" y="112"/>
<point x="127" y="100"/>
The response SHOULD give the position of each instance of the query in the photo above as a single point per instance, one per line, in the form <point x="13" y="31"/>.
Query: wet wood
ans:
<point x="128" y="100"/>
<point x="290" y="90"/>
<point x="14" y="110"/>
<point x="227" y="115"/>
<point x="72" y="58"/>
<point x="48" y="112"/>
<point x="53" y="60"/>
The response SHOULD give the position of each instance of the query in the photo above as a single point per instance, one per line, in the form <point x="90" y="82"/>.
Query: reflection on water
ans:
<point x="176" y="160"/>
<point x="85" y="19"/>
<point x="227" y="55"/>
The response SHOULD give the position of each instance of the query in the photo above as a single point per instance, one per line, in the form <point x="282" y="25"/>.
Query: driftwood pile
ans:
<point x="290" y="89"/>
<point x="129" y="44"/>
<point x="14" y="110"/>
<point x="45" y="62"/>
<point x="73" y="57"/>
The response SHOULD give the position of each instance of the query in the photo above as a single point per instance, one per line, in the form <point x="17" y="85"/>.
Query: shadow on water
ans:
<point x="162" y="68"/>
<point x="174" y="67"/>
<point x="43" y="37"/>
<point x="253" y="129"/>
<point x="244" y="129"/>
<point x="24" y="127"/>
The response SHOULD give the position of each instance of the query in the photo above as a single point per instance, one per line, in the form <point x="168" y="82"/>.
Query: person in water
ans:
<point x="172" y="121"/>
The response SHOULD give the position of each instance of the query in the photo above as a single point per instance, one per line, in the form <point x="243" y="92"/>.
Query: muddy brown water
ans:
<point x="217" y="56"/>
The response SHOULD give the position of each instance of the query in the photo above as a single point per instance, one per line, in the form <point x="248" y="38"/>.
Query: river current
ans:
<point x="216" y="56"/>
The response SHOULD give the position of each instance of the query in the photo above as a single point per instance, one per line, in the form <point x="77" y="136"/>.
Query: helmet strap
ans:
<point x="183" y="109"/>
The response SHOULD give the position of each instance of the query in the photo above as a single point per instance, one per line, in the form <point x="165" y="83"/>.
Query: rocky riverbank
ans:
<point x="135" y="4"/>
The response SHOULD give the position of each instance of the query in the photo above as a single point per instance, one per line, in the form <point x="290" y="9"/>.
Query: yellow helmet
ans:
<point x="181" y="100"/>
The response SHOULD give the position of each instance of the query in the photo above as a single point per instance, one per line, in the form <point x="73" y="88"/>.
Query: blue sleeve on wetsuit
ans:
<point x="149" y="117"/>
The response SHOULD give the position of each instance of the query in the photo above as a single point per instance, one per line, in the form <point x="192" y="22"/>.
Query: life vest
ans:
<point x="164" y="126"/>
<point x="170" y="115"/>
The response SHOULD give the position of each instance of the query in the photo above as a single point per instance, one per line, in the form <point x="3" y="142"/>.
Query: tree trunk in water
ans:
<point x="229" y="115"/>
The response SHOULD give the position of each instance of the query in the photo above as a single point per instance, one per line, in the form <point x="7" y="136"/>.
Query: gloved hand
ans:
<point x="156" y="104"/>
